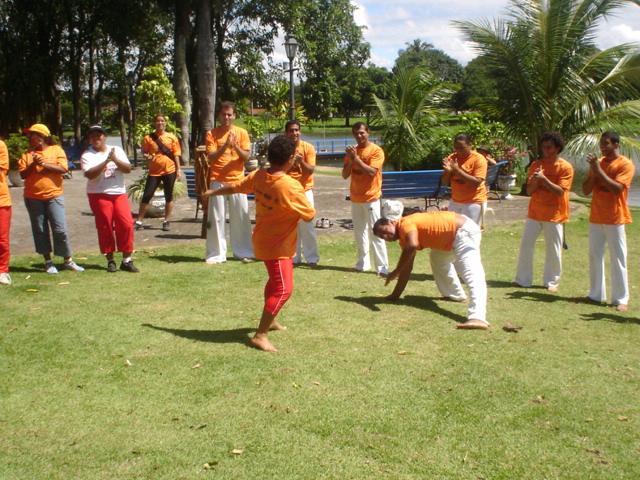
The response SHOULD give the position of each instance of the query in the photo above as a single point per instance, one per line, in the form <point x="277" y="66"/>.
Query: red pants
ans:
<point x="5" y="225"/>
<point x="280" y="284"/>
<point x="112" y="213"/>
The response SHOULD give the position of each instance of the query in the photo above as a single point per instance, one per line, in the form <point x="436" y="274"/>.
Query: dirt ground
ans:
<point x="330" y="192"/>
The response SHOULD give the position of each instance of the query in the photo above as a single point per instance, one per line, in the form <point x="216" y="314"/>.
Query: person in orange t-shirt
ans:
<point x="304" y="163"/>
<point x="228" y="148"/>
<point x="280" y="205"/>
<point x="5" y="216"/>
<point x="454" y="239"/>
<point x="42" y="168"/>
<point x="363" y="163"/>
<point x="549" y="183"/>
<point x="609" y="180"/>
<point x="162" y="150"/>
<point x="466" y="170"/>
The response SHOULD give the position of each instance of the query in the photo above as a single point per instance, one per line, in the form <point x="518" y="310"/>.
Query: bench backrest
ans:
<point x="492" y="174"/>
<point x="190" y="176"/>
<point x="413" y="184"/>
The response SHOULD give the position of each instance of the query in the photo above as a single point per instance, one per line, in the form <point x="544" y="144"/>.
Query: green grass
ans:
<point x="120" y="376"/>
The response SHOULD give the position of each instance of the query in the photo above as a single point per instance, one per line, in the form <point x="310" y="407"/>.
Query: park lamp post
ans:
<point x="291" y="48"/>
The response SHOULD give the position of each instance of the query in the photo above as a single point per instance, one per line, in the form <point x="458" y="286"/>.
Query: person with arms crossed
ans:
<point x="104" y="167"/>
<point x="608" y="182"/>
<point x="363" y="163"/>
<point x="5" y="216"/>
<point x="228" y="148"/>
<point x="548" y="183"/>
<point x="454" y="241"/>
<point x="280" y="204"/>
<point x="304" y="163"/>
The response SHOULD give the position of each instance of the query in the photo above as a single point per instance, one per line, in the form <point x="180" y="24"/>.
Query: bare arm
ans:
<point x="603" y="179"/>
<point x="405" y="265"/>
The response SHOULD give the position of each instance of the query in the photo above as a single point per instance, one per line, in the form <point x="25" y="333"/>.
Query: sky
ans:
<point x="390" y="24"/>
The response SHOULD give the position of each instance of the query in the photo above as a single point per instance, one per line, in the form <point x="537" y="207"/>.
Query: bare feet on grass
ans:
<point x="261" y="342"/>
<point x="621" y="307"/>
<point x="552" y="288"/>
<point x="277" y="326"/>
<point x="473" y="324"/>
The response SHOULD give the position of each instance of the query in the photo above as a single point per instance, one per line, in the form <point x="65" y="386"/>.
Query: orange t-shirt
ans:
<point x="43" y="184"/>
<point x="229" y="167"/>
<point x="436" y="230"/>
<point x="464" y="192"/>
<point x="546" y="206"/>
<point x="161" y="164"/>
<point x="5" y="198"/>
<point x="610" y="208"/>
<point x="280" y="204"/>
<point x="309" y="155"/>
<point x="364" y="187"/>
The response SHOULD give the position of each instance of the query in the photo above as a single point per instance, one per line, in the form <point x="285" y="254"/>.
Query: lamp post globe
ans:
<point x="291" y="48"/>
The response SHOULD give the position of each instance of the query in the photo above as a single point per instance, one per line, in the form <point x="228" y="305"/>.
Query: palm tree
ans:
<point x="415" y="103"/>
<point x="551" y="76"/>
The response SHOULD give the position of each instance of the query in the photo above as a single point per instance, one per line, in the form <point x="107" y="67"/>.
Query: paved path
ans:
<point x="330" y="192"/>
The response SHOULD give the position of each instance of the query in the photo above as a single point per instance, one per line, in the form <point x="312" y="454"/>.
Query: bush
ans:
<point x="17" y="144"/>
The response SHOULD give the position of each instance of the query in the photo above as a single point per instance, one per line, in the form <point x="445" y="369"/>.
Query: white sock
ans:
<point x="126" y="260"/>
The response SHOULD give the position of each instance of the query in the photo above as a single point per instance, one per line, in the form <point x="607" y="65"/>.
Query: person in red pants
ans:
<point x="5" y="216"/>
<point x="280" y="204"/>
<point x="104" y="167"/>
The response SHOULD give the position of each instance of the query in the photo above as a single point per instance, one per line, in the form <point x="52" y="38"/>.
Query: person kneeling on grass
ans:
<point x="280" y="204"/>
<point x="454" y="241"/>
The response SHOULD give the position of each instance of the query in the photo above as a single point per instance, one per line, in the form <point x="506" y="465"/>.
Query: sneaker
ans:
<point x="5" y="278"/>
<point x="128" y="266"/>
<point x="50" y="268"/>
<point x="326" y="223"/>
<point x="166" y="226"/>
<point x="111" y="266"/>
<point x="246" y="260"/>
<point x="139" y="225"/>
<point x="72" y="266"/>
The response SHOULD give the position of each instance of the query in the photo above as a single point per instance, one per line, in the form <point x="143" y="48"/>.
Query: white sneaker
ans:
<point x="5" y="278"/>
<point x="50" y="268"/>
<point x="72" y="266"/>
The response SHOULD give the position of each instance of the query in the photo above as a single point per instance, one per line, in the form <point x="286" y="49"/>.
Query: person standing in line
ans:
<point x="363" y="163"/>
<point x="465" y="170"/>
<point x="104" y="167"/>
<point x="228" y="148"/>
<point x="608" y="182"/>
<point x="162" y="150"/>
<point x="5" y="216"/>
<point x="304" y="163"/>
<point x="548" y="183"/>
<point x="42" y="169"/>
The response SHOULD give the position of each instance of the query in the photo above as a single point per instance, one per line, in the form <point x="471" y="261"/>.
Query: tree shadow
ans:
<point x="176" y="259"/>
<point x="236" y="335"/>
<point x="416" y="301"/>
<point x="547" y="297"/>
<point x="609" y="317"/>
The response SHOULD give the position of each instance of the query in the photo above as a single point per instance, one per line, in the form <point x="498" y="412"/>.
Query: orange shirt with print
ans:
<point x="436" y="230"/>
<point x="42" y="184"/>
<point x="160" y="164"/>
<point x="546" y="206"/>
<point x="280" y="204"/>
<point x="229" y="167"/>
<point x="461" y="190"/>
<point x="5" y="198"/>
<point x="308" y="153"/>
<point x="366" y="188"/>
<point x="610" y="208"/>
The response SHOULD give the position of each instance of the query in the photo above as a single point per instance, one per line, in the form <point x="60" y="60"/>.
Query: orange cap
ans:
<point x="38" y="128"/>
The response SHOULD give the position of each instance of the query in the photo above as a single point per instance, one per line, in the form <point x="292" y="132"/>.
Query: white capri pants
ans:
<point x="474" y="211"/>
<point x="553" y="253"/>
<point x="307" y="242"/>
<point x="614" y="236"/>
<point x="364" y="215"/>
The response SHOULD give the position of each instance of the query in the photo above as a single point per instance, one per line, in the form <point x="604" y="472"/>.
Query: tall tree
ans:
<point x="206" y="68"/>
<point x="181" y="84"/>
<point x="423" y="54"/>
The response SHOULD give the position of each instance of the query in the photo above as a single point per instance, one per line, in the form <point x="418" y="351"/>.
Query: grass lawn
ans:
<point x="121" y="376"/>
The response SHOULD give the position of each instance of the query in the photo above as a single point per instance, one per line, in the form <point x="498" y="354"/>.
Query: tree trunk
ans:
<point x="91" y="84"/>
<point x="181" y="83"/>
<point x="206" y="74"/>
<point x="225" y="87"/>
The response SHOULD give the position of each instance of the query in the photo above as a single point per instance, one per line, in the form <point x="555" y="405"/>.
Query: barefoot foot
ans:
<point x="552" y="288"/>
<point x="277" y="326"/>
<point x="473" y="324"/>
<point x="621" y="307"/>
<point x="261" y="342"/>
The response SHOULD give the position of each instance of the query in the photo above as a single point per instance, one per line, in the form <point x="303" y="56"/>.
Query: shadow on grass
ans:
<point x="176" y="259"/>
<point x="548" y="297"/>
<point x="415" y="301"/>
<point x="38" y="267"/>
<point x="236" y="335"/>
<point x="608" y="317"/>
<point x="418" y="277"/>
<point x="178" y="236"/>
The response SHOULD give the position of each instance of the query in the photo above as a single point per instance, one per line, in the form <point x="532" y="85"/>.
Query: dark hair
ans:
<point x="280" y="150"/>
<point x="553" y="137"/>
<point x="613" y="136"/>
<point x="290" y="123"/>
<point x="155" y="117"/>
<point x="358" y="125"/>
<point x="227" y="104"/>
<point x="381" y="222"/>
<point x="463" y="137"/>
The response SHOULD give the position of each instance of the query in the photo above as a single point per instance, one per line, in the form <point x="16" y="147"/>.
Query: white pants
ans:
<point x="553" y="253"/>
<point x="364" y="215"/>
<point x="239" y="223"/>
<point x="474" y="211"/>
<point x="615" y="238"/>
<point x="307" y="241"/>
<point x="465" y="258"/>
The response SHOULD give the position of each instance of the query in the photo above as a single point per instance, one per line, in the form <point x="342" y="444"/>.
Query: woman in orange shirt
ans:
<point x="280" y="205"/>
<point x="42" y="168"/>
<point x="5" y="216"/>
<point x="163" y="152"/>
